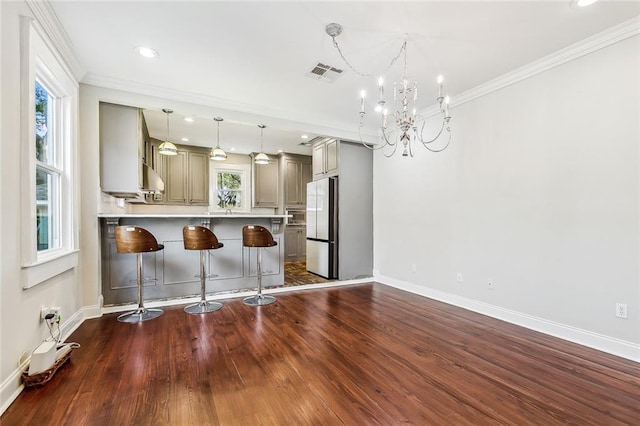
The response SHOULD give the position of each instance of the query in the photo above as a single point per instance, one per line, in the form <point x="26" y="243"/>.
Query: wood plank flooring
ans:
<point x="295" y="273"/>
<point x="356" y="355"/>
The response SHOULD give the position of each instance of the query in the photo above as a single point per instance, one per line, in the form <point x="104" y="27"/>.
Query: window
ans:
<point x="230" y="187"/>
<point x="229" y="190"/>
<point x="49" y="126"/>
<point x="48" y="172"/>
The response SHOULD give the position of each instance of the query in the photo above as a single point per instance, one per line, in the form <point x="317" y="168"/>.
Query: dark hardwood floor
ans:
<point x="357" y="355"/>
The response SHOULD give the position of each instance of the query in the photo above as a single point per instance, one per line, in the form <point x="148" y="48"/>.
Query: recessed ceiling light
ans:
<point x="280" y="151"/>
<point x="232" y="149"/>
<point x="185" y="139"/>
<point x="583" y="3"/>
<point x="304" y="136"/>
<point x="147" y="52"/>
<point x="188" y="119"/>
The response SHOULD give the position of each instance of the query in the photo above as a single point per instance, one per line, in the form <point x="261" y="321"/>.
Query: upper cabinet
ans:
<point x="123" y="135"/>
<point x="198" y="177"/>
<point x="265" y="183"/>
<point x="326" y="158"/>
<point x="296" y="172"/>
<point x="186" y="175"/>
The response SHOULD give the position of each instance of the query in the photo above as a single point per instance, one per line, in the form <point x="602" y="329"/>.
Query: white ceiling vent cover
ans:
<point x="325" y="73"/>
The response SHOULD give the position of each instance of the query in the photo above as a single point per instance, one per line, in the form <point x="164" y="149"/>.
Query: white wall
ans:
<point x="20" y="327"/>
<point x="539" y="191"/>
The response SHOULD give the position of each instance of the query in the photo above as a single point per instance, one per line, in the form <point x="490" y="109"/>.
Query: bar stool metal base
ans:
<point x="258" y="300"/>
<point x="140" y="314"/>
<point x="202" y="307"/>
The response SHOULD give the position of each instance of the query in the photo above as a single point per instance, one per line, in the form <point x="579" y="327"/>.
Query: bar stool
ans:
<point x="259" y="237"/>
<point x="203" y="239"/>
<point x="133" y="239"/>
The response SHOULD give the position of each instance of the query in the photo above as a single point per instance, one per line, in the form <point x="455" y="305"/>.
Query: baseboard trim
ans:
<point x="621" y="348"/>
<point x="12" y="386"/>
<point x="226" y="296"/>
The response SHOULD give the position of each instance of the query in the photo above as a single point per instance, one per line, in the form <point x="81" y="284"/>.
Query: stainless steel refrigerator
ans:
<point x="322" y="227"/>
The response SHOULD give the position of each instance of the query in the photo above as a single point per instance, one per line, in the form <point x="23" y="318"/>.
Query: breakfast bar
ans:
<point x="172" y="272"/>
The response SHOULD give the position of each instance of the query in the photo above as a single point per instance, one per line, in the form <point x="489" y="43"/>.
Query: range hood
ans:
<point x="152" y="183"/>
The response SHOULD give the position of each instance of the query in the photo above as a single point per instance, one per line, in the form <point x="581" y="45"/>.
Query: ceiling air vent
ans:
<point x="325" y="73"/>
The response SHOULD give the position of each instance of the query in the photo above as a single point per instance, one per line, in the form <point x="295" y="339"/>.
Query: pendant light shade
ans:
<point x="166" y="147"/>
<point x="217" y="153"/>
<point x="261" y="158"/>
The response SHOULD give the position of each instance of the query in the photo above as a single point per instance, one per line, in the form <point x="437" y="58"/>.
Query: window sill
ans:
<point x="43" y="270"/>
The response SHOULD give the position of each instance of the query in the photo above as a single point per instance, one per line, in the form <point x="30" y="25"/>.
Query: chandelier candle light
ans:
<point x="217" y="153"/>
<point x="401" y="121"/>
<point x="166" y="147"/>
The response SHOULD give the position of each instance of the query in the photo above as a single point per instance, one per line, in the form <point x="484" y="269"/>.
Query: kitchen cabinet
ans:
<point x="123" y="136"/>
<point x="186" y="175"/>
<point x="265" y="183"/>
<point x="175" y="178"/>
<point x="198" y="177"/>
<point x="295" y="243"/>
<point x="296" y="171"/>
<point x="325" y="157"/>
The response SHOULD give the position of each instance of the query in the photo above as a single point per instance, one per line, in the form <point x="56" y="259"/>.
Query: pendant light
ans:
<point x="217" y="153"/>
<point x="261" y="158"/>
<point x="166" y="147"/>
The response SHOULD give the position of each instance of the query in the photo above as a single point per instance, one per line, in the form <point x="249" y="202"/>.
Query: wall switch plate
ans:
<point x="459" y="277"/>
<point x="490" y="283"/>
<point x="414" y="268"/>
<point x="621" y="310"/>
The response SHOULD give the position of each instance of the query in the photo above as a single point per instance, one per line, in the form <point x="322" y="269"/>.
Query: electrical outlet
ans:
<point x="414" y="268"/>
<point x="44" y="310"/>
<point x="490" y="283"/>
<point x="621" y="310"/>
<point x="459" y="277"/>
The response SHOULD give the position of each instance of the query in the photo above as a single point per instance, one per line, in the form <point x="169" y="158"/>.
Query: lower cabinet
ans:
<point x="295" y="243"/>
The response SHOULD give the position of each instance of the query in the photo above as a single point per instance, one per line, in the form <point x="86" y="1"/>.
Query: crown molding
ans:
<point x="577" y="50"/>
<point x="48" y="21"/>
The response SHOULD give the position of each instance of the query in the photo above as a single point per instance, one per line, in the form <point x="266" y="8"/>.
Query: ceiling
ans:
<point x="248" y="62"/>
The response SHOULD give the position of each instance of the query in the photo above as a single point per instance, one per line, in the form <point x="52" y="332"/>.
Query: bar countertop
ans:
<point x="192" y="215"/>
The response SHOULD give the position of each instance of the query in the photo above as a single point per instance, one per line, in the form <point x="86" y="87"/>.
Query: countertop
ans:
<point x="209" y="215"/>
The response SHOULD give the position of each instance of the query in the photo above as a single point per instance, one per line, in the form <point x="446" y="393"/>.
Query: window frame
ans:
<point x="245" y="171"/>
<point x="41" y="62"/>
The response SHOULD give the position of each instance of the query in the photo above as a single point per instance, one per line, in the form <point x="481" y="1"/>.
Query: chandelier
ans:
<point x="400" y="126"/>
<point x="166" y="147"/>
